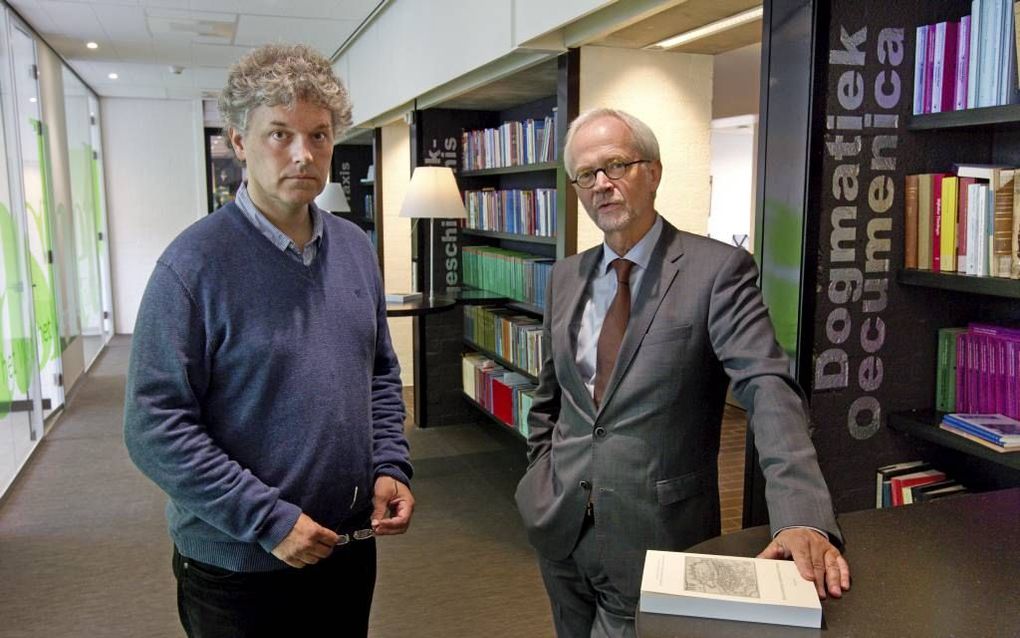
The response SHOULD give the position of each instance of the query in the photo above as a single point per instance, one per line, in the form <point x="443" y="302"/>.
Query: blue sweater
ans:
<point x="260" y="388"/>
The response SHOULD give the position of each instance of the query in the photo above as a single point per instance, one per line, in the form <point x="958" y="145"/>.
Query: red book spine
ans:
<point x="936" y="222"/>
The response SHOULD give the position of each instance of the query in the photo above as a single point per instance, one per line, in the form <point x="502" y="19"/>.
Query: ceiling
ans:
<point x="140" y="40"/>
<point x="539" y="81"/>
<point x="182" y="48"/>
<point x="685" y="17"/>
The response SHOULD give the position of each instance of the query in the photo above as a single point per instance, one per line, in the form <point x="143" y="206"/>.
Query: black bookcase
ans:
<point x="839" y="138"/>
<point x="436" y="138"/>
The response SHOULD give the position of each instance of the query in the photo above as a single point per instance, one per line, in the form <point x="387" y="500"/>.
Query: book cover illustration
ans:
<point x="721" y="576"/>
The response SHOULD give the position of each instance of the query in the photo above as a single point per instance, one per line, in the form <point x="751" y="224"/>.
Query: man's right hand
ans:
<point x="306" y="544"/>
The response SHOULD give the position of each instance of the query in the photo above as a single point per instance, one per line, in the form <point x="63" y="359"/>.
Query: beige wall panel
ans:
<point x="396" y="174"/>
<point x="672" y="92"/>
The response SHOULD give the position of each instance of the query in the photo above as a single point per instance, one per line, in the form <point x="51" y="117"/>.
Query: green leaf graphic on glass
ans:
<point x="18" y="351"/>
<point x="45" y="302"/>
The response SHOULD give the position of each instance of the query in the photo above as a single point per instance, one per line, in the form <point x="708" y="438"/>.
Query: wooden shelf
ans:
<point x="506" y="363"/>
<point x="508" y="170"/>
<point x="526" y="307"/>
<point x="924" y="424"/>
<point x="478" y="296"/>
<point x="531" y="239"/>
<point x="993" y="286"/>
<point x="494" y="419"/>
<point x="1006" y="115"/>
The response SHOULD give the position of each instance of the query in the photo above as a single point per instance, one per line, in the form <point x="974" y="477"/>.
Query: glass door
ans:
<point x="36" y="193"/>
<point x="21" y="425"/>
<point x="100" y="225"/>
<point x="83" y="215"/>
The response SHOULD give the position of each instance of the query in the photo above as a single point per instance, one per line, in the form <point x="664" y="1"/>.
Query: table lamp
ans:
<point x="332" y="199"/>
<point x="433" y="194"/>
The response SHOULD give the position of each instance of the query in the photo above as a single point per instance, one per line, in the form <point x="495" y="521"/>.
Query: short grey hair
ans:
<point x="644" y="139"/>
<point x="281" y="75"/>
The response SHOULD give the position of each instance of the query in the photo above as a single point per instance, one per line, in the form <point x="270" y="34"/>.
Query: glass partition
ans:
<point x="83" y="215"/>
<point x="37" y="198"/>
<point x="20" y="404"/>
<point x="100" y="221"/>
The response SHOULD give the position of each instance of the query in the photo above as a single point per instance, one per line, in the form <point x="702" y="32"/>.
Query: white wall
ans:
<point x="396" y="175"/>
<point x="732" y="180"/>
<point x="154" y="185"/>
<point x="672" y="93"/>
<point x="737" y="84"/>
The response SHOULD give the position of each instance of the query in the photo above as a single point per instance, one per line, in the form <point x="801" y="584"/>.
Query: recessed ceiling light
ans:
<point x="91" y="45"/>
<point x="32" y="100"/>
<point x="712" y="28"/>
<point x="113" y="76"/>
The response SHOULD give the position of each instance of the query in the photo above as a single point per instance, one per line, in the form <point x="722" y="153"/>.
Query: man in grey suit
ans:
<point x="641" y="336"/>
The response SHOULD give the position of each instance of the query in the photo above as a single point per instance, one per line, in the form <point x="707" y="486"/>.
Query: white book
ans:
<point x="920" y="51"/>
<point x="728" y="588"/>
<point x="1006" y="68"/>
<point x="402" y="297"/>
<point x="981" y="239"/>
<point x="974" y="205"/>
<point x="975" y="59"/>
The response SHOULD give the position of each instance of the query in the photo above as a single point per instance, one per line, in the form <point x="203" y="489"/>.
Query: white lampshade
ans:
<point x="332" y="199"/>
<point x="433" y="194"/>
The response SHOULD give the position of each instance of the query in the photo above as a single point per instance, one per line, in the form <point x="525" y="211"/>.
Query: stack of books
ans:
<point x="993" y="431"/>
<point x="912" y="482"/>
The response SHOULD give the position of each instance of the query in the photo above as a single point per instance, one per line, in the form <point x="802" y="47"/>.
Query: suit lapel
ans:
<point x="566" y="320"/>
<point x="662" y="270"/>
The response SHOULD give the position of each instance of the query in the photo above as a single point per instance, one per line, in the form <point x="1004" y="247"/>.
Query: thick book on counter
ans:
<point x="728" y="588"/>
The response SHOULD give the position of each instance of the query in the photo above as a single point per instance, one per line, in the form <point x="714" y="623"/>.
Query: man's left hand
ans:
<point x="394" y="506"/>
<point x="816" y="558"/>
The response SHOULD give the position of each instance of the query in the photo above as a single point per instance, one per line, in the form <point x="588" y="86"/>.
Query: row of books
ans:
<point x="993" y="431"/>
<point x="526" y="212"/>
<point x="515" y="337"/>
<point x="511" y="273"/>
<point x="977" y="370"/>
<point x="967" y="64"/>
<point x="912" y="482"/>
<point x="504" y="394"/>
<point x="967" y="222"/>
<point x="510" y="144"/>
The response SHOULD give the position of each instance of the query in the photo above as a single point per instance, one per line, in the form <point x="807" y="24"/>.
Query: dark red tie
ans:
<point x="613" y="328"/>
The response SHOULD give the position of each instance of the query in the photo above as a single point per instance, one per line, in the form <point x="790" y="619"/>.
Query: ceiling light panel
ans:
<point x="709" y="29"/>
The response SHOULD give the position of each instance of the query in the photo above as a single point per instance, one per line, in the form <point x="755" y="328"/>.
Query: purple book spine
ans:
<point x="962" y="64"/>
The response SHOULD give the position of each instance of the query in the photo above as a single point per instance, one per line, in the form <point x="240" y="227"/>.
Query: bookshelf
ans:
<point x="1007" y="115"/>
<point x="500" y="360"/>
<point x="536" y="167"/>
<point x="492" y="234"/>
<point x="351" y="160"/>
<point x="924" y="424"/>
<point x="831" y="207"/>
<point x="437" y="137"/>
<point x="990" y="286"/>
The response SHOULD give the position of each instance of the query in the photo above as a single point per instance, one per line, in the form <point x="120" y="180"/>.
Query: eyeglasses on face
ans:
<point x="614" y="170"/>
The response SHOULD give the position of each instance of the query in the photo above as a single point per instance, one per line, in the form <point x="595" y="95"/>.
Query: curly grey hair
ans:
<point x="281" y="75"/>
<point x="644" y="139"/>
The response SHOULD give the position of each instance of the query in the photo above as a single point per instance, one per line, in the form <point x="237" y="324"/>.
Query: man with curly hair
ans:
<point x="263" y="393"/>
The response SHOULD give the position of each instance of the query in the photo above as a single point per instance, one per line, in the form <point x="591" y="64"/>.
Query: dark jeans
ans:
<point x="332" y="597"/>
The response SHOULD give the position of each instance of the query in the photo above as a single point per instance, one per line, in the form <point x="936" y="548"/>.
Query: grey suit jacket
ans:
<point x="649" y="452"/>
